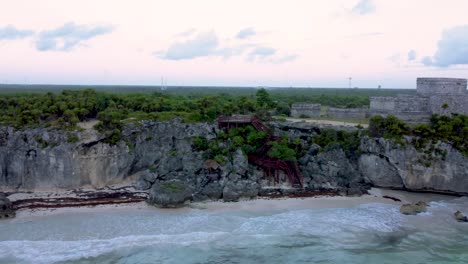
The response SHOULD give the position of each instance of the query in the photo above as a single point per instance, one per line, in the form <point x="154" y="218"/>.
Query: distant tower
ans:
<point x="350" y="78"/>
<point x="163" y="85"/>
<point x="379" y="87"/>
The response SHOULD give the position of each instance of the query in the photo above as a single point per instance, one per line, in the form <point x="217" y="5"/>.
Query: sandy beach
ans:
<point x="376" y="195"/>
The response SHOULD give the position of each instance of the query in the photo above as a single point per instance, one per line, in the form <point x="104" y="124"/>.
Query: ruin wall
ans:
<point x="346" y="113"/>
<point x="446" y="86"/>
<point x="312" y="110"/>
<point x="448" y="104"/>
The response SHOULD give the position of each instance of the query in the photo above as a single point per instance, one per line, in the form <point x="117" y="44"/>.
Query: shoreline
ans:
<point x="260" y="204"/>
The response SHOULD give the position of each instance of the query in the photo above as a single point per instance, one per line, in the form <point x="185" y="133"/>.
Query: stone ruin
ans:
<point x="442" y="96"/>
<point x="310" y="110"/>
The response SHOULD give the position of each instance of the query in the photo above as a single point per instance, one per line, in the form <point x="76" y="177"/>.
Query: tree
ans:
<point x="264" y="99"/>
<point x="282" y="151"/>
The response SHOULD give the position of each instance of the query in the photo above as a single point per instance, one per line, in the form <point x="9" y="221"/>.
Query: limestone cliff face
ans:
<point x="387" y="164"/>
<point x="159" y="157"/>
<point x="43" y="159"/>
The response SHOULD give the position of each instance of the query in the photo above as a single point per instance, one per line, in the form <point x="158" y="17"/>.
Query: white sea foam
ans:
<point x="47" y="251"/>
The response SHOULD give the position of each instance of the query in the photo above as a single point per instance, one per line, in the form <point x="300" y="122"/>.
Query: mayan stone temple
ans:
<point x="442" y="96"/>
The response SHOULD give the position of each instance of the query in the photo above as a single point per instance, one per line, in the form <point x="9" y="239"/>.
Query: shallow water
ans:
<point x="370" y="233"/>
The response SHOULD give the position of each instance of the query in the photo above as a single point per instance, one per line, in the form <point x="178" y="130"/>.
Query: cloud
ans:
<point x="260" y="53"/>
<point x="68" y="36"/>
<point x="207" y="44"/>
<point x="411" y="55"/>
<point x="452" y="49"/>
<point x="10" y="32"/>
<point x="202" y="45"/>
<point x="285" y="59"/>
<point x="427" y="61"/>
<point x="364" y="7"/>
<point x="227" y="52"/>
<point x="246" y="33"/>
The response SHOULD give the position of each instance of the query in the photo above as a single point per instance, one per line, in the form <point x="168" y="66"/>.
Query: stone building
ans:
<point x="311" y="110"/>
<point x="442" y="96"/>
<point x="347" y="113"/>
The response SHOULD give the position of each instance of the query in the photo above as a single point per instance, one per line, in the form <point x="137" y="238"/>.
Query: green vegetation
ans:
<point x="170" y="186"/>
<point x="152" y="169"/>
<point x="282" y="150"/>
<point x="42" y="142"/>
<point x="390" y="127"/>
<point x="65" y="106"/>
<point x="250" y="141"/>
<point x="72" y="138"/>
<point x="330" y="139"/>
<point x="450" y="129"/>
<point x="113" y="106"/>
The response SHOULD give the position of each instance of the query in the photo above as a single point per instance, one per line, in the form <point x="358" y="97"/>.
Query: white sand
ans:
<point x="257" y="205"/>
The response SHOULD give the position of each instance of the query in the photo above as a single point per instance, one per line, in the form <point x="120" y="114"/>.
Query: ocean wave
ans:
<point x="47" y="251"/>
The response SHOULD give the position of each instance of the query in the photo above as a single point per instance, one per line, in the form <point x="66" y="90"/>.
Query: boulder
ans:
<point x="414" y="208"/>
<point x="212" y="190"/>
<point x="170" y="194"/>
<point x="460" y="217"/>
<point x="233" y="191"/>
<point x="6" y="209"/>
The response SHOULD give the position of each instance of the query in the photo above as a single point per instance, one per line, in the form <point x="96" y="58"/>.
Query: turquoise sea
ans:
<point x="369" y="233"/>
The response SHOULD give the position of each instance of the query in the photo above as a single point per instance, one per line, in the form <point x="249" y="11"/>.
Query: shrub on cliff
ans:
<point x="330" y="139"/>
<point x="281" y="150"/>
<point x="389" y="127"/>
<point x="450" y="129"/>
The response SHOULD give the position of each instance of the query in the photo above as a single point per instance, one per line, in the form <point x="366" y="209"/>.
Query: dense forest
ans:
<point x="37" y="105"/>
<point x="64" y="109"/>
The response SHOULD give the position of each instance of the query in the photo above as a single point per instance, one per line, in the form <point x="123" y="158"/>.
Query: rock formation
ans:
<point x="159" y="158"/>
<point x="386" y="163"/>
<point x="6" y="209"/>
<point x="460" y="217"/>
<point x="414" y="208"/>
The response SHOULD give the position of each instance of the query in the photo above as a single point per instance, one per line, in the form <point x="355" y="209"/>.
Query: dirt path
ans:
<point x="325" y="122"/>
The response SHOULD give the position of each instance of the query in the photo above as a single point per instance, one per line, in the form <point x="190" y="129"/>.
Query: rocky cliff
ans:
<point x="386" y="163"/>
<point x="44" y="159"/>
<point x="159" y="157"/>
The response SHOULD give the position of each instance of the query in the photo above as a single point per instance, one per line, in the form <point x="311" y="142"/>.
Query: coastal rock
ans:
<point x="460" y="217"/>
<point x="380" y="171"/>
<point x="170" y="194"/>
<point x="386" y="163"/>
<point x="332" y="170"/>
<point x="44" y="159"/>
<point x="211" y="191"/>
<point x="233" y="191"/>
<point x="414" y="208"/>
<point x="6" y="209"/>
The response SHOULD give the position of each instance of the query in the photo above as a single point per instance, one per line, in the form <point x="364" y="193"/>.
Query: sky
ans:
<point x="300" y="43"/>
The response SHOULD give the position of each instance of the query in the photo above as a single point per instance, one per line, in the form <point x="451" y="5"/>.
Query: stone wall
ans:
<point x="442" y="96"/>
<point x="408" y="103"/>
<point x="347" y="112"/>
<point x="455" y="104"/>
<point x="382" y="105"/>
<point x="433" y="86"/>
<point x="312" y="110"/>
